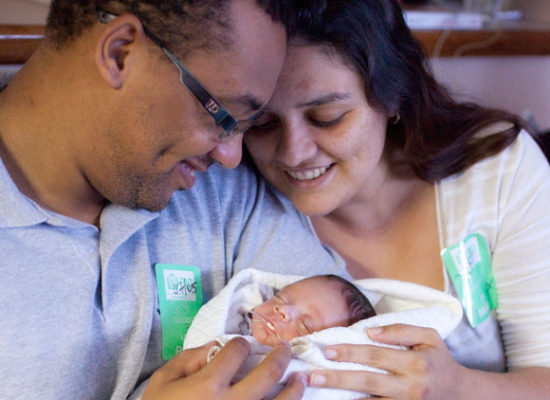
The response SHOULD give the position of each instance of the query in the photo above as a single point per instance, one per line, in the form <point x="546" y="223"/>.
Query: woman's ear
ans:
<point x="116" y="45"/>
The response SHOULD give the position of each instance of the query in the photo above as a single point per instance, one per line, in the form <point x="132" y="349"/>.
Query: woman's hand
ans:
<point x="425" y="371"/>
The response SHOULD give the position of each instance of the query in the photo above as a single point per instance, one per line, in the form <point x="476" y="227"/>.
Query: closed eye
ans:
<point x="328" y="123"/>
<point x="279" y="298"/>
<point x="264" y="127"/>
<point x="304" y="328"/>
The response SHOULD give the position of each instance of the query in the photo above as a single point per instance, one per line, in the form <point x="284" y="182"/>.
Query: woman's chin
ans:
<point x="311" y="205"/>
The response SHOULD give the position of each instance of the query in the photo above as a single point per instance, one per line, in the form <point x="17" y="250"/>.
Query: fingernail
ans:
<point x="374" y="331"/>
<point x="318" y="380"/>
<point x="330" y="353"/>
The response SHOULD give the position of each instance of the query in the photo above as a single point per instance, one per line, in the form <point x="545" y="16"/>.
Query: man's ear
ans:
<point x="115" y="46"/>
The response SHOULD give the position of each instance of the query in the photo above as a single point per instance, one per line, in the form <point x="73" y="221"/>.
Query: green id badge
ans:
<point x="469" y="266"/>
<point x="180" y="297"/>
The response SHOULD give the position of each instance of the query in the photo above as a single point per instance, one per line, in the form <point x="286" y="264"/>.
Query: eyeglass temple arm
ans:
<point x="220" y="115"/>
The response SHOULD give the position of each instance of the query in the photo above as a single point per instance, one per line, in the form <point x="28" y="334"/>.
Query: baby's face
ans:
<point x="304" y="307"/>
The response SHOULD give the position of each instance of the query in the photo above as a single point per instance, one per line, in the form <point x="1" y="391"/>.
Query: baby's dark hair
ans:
<point x="359" y="307"/>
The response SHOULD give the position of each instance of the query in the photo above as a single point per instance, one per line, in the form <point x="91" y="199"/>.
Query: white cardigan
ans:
<point x="506" y="198"/>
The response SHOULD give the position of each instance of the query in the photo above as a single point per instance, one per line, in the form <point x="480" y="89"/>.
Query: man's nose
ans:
<point x="229" y="152"/>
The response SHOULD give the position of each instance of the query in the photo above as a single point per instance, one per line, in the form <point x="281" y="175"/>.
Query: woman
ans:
<point x="392" y="172"/>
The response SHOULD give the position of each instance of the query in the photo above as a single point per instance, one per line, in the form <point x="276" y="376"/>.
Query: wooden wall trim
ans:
<point x="494" y="43"/>
<point x="18" y="42"/>
<point x="521" y="39"/>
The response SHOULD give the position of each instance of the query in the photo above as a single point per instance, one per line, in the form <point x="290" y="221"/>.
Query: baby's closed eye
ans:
<point x="305" y="326"/>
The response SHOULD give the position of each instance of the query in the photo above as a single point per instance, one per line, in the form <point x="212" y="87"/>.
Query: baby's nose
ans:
<point x="282" y="312"/>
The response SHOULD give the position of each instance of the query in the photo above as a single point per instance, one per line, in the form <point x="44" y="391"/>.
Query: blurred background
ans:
<point x="496" y="52"/>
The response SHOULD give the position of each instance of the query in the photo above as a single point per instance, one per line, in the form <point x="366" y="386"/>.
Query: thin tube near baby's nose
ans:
<point x="262" y="319"/>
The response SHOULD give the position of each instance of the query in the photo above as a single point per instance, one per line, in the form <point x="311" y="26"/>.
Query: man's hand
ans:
<point x="187" y="376"/>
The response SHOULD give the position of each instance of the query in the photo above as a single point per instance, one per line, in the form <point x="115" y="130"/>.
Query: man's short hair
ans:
<point x="182" y="25"/>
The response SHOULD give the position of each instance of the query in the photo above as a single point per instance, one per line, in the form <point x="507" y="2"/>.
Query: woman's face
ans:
<point x="320" y="142"/>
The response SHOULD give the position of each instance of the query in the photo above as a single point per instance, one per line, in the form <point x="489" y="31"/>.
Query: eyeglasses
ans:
<point x="230" y="125"/>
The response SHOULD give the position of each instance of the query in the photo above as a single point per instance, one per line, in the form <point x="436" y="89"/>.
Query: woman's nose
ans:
<point x="296" y="145"/>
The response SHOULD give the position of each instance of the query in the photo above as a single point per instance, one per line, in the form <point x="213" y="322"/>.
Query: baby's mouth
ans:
<point x="267" y="323"/>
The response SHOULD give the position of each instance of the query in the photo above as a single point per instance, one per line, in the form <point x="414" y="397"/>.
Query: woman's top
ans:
<point x="506" y="199"/>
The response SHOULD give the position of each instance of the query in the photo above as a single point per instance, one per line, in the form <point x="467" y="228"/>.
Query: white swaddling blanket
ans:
<point x="394" y="302"/>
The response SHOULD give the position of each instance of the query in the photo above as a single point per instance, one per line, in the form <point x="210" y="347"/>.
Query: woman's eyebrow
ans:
<point x="329" y="98"/>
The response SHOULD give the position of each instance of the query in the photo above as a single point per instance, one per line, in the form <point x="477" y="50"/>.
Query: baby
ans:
<point x="310" y="313"/>
<point x="306" y="306"/>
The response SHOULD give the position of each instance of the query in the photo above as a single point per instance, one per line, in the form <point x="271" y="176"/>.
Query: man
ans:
<point x="123" y="103"/>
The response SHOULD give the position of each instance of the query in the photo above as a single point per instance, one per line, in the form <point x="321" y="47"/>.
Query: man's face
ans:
<point x="299" y="309"/>
<point x="160" y="135"/>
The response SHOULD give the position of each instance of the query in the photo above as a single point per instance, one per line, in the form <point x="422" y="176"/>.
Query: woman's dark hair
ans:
<point x="205" y="22"/>
<point x="436" y="134"/>
<point x="359" y="307"/>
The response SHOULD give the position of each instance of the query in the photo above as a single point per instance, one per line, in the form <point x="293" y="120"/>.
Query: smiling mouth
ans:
<point x="196" y="164"/>
<point x="191" y="169"/>
<point x="311" y="174"/>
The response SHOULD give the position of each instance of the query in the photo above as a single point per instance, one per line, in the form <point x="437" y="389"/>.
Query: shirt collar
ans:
<point x="18" y="210"/>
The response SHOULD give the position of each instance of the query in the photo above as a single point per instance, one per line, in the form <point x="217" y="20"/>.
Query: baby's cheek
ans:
<point x="255" y="332"/>
<point x="287" y="333"/>
<point x="260" y="336"/>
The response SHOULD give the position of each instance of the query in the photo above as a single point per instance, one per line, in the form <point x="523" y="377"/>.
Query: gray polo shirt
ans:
<point x="79" y="312"/>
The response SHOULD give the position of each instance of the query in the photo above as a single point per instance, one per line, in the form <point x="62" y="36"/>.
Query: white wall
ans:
<point x="517" y="84"/>
<point x="23" y="12"/>
<point x="536" y="9"/>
